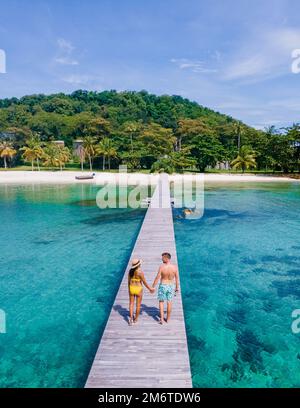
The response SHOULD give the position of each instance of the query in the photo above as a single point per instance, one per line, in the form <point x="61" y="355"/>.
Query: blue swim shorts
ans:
<point x="165" y="292"/>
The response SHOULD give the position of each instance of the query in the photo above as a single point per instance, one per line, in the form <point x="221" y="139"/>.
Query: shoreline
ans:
<point x="68" y="177"/>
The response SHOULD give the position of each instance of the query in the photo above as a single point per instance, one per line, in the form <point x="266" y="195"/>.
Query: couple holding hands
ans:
<point x="169" y="284"/>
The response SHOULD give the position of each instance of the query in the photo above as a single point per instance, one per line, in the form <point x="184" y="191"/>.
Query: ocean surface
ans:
<point x="62" y="259"/>
<point x="240" y="277"/>
<point x="61" y="262"/>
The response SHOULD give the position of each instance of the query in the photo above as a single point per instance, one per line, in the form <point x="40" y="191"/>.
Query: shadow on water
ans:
<point x="114" y="216"/>
<point x="287" y="259"/>
<point x="249" y="350"/>
<point x="85" y="203"/>
<point x="269" y="303"/>
<point x="241" y="295"/>
<point x="216" y="213"/>
<point x="211" y="215"/>
<point x="198" y="297"/>
<point x="235" y="251"/>
<point x="260" y="270"/>
<point x="235" y="318"/>
<point x="44" y="242"/>
<point x="293" y="272"/>
<point x="196" y="343"/>
<point x="249" y="261"/>
<point x="287" y="288"/>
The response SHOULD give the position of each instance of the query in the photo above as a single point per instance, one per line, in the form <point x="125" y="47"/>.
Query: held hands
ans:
<point x="152" y="290"/>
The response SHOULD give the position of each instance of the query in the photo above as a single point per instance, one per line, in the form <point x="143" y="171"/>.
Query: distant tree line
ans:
<point x="141" y="130"/>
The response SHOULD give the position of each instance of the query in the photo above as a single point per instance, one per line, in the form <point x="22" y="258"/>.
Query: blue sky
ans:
<point x="232" y="56"/>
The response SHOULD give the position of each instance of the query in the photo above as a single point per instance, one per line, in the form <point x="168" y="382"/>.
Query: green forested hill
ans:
<point x="139" y="129"/>
<point x="118" y="107"/>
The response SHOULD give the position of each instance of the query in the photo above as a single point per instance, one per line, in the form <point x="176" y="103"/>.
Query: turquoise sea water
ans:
<point x="61" y="262"/>
<point x="240" y="273"/>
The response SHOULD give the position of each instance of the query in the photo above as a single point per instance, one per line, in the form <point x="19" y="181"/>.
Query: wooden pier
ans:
<point x="146" y="354"/>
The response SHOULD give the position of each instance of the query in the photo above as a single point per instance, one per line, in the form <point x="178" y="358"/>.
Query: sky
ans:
<point x="232" y="56"/>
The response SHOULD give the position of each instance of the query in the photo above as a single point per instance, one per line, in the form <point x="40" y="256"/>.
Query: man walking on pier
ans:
<point x="169" y="283"/>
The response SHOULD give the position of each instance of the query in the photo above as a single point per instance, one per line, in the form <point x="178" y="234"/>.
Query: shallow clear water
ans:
<point x="61" y="262"/>
<point x="240" y="273"/>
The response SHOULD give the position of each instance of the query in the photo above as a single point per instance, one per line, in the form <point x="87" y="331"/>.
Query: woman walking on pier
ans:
<point x="136" y="280"/>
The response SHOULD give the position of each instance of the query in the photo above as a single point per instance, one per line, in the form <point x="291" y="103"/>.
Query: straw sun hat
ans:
<point x="136" y="262"/>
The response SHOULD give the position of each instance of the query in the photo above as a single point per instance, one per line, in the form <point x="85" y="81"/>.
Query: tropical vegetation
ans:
<point x="245" y="159"/>
<point x="143" y="131"/>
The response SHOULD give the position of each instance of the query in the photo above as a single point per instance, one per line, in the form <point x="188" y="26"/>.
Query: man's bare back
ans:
<point x="169" y="284"/>
<point x="168" y="273"/>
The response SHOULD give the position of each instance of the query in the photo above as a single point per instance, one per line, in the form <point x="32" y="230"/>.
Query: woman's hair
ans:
<point x="132" y="270"/>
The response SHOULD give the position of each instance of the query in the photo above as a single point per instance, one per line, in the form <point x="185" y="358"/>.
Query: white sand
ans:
<point x="66" y="177"/>
<point x="244" y="177"/>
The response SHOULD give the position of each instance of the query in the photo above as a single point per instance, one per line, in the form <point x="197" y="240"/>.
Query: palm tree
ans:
<point x="33" y="152"/>
<point x="89" y="145"/>
<point x="81" y="154"/>
<point x="6" y="151"/>
<point x="131" y="128"/>
<point x="245" y="159"/>
<point x="107" y="149"/>
<point x="50" y="156"/>
<point x="29" y="155"/>
<point x="56" y="156"/>
<point x="63" y="156"/>
<point x="239" y="131"/>
<point x="174" y="162"/>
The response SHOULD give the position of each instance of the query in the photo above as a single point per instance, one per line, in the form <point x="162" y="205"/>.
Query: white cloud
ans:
<point x="193" y="65"/>
<point x="266" y="123"/>
<point x="83" y="80"/>
<point x="2" y="62"/>
<point x="217" y="55"/>
<point x="66" y="61"/>
<point x="266" y="55"/>
<point x="291" y="104"/>
<point x="286" y="39"/>
<point x="65" y="45"/>
<point x="248" y="67"/>
<point x="77" y="79"/>
<point x="65" y="53"/>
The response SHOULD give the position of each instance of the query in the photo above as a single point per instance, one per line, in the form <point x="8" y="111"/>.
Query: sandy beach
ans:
<point x="66" y="177"/>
